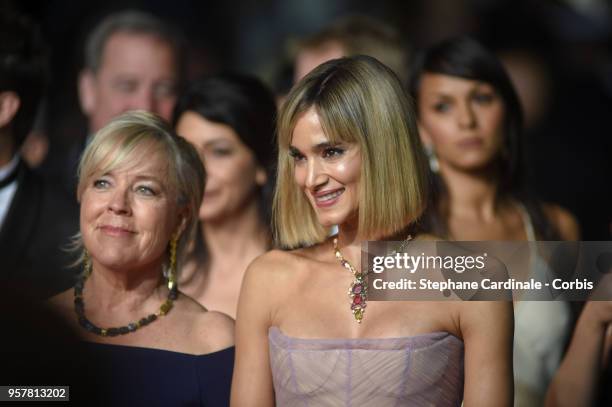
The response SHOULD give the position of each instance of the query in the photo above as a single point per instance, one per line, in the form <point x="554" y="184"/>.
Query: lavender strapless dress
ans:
<point x="424" y="370"/>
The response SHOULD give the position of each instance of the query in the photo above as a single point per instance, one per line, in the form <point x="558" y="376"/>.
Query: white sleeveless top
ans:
<point x="541" y="329"/>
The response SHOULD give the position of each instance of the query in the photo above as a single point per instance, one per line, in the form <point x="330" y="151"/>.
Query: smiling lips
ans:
<point x="116" y="231"/>
<point x="324" y="199"/>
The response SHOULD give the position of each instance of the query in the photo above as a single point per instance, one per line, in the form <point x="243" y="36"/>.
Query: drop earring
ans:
<point x="172" y="286"/>
<point x="432" y="158"/>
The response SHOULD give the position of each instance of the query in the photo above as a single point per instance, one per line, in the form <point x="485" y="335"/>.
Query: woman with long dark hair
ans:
<point x="229" y="119"/>
<point x="470" y="122"/>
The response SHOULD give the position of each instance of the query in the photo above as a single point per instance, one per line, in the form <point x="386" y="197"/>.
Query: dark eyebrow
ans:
<point x="316" y="148"/>
<point x="483" y="83"/>
<point x="484" y="87"/>
<point x="442" y="95"/>
<point x="322" y="146"/>
<point x="218" y="140"/>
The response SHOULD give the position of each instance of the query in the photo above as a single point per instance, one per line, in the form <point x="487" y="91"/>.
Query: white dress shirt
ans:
<point x="8" y="192"/>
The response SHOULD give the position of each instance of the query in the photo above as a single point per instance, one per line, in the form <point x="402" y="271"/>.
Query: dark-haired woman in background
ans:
<point x="230" y="121"/>
<point x="470" y="122"/>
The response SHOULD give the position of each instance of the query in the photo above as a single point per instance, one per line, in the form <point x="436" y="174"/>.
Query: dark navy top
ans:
<point x="134" y="376"/>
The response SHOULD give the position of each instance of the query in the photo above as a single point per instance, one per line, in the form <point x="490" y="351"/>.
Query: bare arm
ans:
<point x="575" y="383"/>
<point x="487" y="330"/>
<point x="252" y="380"/>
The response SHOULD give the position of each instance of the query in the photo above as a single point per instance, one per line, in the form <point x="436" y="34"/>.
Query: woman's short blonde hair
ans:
<point x="138" y="134"/>
<point x="358" y="100"/>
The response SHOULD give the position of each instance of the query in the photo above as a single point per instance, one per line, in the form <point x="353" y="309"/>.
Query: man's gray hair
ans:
<point x="130" y="21"/>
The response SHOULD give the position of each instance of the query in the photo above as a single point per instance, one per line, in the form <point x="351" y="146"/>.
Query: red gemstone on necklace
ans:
<point x="357" y="299"/>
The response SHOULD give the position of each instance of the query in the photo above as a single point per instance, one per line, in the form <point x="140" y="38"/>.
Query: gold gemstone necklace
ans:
<point x="79" y="309"/>
<point x="358" y="290"/>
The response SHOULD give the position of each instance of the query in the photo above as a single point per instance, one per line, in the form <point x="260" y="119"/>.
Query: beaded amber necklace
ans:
<point x="79" y="308"/>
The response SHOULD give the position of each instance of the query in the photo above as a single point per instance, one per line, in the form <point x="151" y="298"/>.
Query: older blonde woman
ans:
<point x="349" y="155"/>
<point x="140" y="187"/>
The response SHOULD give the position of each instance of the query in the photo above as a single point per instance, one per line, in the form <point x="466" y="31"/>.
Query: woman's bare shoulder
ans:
<point x="215" y="331"/>
<point x="290" y="256"/>
<point x="274" y="276"/>
<point x="563" y="220"/>
<point x="427" y="237"/>
<point x="275" y="258"/>
<point x="210" y="331"/>
<point x="276" y="264"/>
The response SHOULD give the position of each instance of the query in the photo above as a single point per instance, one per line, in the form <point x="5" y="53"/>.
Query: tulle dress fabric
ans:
<point x="424" y="370"/>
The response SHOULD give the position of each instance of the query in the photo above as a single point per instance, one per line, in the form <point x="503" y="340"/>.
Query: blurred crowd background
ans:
<point x="559" y="53"/>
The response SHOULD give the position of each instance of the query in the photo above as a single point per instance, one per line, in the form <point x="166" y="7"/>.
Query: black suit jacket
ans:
<point x="38" y="225"/>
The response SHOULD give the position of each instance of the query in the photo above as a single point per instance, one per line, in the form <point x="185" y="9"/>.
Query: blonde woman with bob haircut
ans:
<point x="140" y="188"/>
<point x="349" y="155"/>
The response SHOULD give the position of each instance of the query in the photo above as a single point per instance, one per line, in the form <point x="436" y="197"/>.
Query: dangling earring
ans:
<point x="432" y="158"/>
<point x="86" y="264"/>
<point x="172" y="286"/>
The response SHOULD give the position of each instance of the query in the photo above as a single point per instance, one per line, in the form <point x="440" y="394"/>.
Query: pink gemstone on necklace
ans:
<point x="357" y="288"/>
